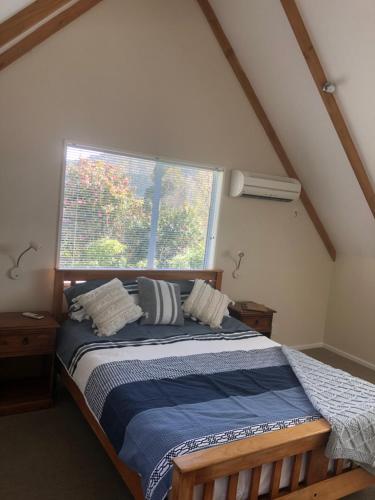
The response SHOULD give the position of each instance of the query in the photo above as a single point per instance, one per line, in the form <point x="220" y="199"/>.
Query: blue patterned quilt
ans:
<point x="163" y="392"/>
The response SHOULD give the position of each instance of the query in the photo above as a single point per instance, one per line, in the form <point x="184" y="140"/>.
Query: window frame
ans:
<point x="214" y="212"/>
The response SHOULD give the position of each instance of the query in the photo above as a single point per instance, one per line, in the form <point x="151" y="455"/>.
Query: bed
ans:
<point x="288" y="462"/>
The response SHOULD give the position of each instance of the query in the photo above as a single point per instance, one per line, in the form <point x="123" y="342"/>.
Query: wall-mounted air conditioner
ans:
<point x="244" y="183"/>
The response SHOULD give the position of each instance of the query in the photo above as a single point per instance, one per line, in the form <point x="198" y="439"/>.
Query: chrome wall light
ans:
<point x="240" y="256"/>
<point x="15" y="272"/>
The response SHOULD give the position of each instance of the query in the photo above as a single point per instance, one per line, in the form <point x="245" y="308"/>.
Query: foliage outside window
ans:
<point x="123" y="211"/>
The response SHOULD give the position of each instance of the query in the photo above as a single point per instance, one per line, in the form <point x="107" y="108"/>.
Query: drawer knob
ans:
<point x="25" y="340"/>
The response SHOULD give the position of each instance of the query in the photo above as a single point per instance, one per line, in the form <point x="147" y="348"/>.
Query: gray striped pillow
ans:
<point x="160" y="302"/>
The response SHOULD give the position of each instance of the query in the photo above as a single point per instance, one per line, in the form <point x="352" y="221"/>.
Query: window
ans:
<point x="124" y="211"/>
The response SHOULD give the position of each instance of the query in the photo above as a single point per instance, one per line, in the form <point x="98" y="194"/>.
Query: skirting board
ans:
<point x="305" y="347"/>
<point x="337" y="351"/>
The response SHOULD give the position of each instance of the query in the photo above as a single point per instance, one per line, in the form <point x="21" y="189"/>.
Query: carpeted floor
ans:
<point x="53" y="454"/>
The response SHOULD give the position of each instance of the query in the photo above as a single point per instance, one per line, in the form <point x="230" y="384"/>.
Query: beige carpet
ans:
<point x="53" y="454"/>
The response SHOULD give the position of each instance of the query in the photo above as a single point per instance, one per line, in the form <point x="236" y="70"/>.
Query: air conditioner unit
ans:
<point x="244" y="183"/>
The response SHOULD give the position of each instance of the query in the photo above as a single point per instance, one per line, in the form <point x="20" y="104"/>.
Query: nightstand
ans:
<point x="256" y="316"/>
<point x="27" y="352"/>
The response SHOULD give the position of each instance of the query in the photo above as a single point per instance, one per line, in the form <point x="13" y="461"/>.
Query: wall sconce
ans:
<point x="15" y="272"/>
<point x="240" y="256"/>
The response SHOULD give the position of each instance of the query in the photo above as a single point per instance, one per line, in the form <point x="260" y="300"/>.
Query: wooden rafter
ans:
<point x="260" y="113"/>
<point x="320" y="78"/>
<point x="45" y="31"/>
<point x="27" y="18"/>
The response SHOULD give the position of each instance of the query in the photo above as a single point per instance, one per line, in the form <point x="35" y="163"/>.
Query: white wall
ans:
<point x="351" y="314"/>
<point x="149" y="77"/>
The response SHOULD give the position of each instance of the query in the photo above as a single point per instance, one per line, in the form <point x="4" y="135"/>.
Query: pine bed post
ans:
<point x="182" y="484"/>
<point x="58" y="290"/>
<point x="317" y="468"/>
<point x="219" y="279"/>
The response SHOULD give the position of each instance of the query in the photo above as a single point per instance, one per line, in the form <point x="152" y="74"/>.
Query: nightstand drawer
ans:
<point x="21" y="343"/>
<point x="256" y="316"/>
<point x="260" y="324"/>
<point x="27" y="353"/>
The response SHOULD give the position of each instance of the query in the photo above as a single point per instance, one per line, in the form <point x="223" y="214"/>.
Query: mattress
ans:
<point x="164" y="391"/>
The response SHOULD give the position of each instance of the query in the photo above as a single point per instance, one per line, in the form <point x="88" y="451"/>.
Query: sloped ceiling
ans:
<point x="343" y="34"/>
<point x="10" y="7"/>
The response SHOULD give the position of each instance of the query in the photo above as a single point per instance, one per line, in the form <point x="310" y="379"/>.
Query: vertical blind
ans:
<point x="124" y="211"/>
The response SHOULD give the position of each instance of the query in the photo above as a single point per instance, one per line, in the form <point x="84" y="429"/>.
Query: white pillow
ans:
<point x="206" y="304"/>
<point x="110" y="307"/>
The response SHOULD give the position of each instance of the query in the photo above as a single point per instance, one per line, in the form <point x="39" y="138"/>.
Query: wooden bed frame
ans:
<point x="204" y="467"/>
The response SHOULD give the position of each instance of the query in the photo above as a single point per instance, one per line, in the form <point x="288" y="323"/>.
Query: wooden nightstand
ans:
<point x="27" y="352"/>
<point x="254" y="315"/>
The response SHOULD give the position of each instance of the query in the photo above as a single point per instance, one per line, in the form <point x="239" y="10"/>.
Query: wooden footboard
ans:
<point x="204" y="467"/>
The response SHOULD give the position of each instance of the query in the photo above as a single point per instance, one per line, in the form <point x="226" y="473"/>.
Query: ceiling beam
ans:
<point x="45" y="31"/>
<point x="320" y="78"/>
<point x="260" y="113"/>
<point x="27" y="18"/>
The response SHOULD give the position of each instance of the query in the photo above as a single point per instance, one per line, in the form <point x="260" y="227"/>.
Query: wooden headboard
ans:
<point x="68" y="277"/>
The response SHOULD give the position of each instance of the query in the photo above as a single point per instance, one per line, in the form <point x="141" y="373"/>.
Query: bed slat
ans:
<point x="254" y="484"/>
<point x="317" y="466"/>
<point x="208" y="491"/>
<point x="296" y="472"/>
<point x="232" y="487"/>
<point x="275" y="481"/>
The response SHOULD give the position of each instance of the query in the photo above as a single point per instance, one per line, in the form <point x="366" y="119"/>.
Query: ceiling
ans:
<point x="344" y="37"/>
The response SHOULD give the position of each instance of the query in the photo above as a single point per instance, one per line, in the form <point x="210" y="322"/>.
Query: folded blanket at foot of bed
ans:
<point x="347" y="402"/>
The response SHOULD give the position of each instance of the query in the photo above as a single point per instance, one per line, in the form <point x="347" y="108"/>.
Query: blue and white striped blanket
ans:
<point x="161" y="396"/>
